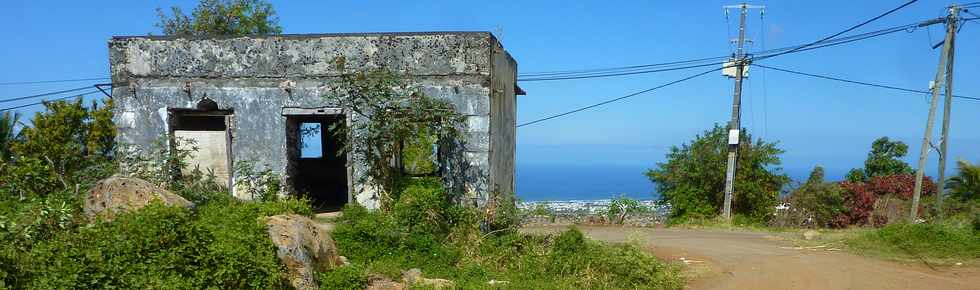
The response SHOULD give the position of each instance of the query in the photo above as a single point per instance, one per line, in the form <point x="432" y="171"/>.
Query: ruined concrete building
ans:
<point x="249" y="98"/>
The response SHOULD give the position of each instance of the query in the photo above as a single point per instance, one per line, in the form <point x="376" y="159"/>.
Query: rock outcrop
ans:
<point x="118" y="194"/>
<point x="413" y="277"/>
<point x="303" y="247"/>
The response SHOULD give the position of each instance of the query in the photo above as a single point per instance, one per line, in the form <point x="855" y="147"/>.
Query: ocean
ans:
<point x="550" y="182"/>
<point x="542" y="182"/>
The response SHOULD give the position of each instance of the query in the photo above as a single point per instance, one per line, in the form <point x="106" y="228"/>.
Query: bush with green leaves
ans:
<point x="350" y="277"/>
<point x="815" y="203"/>
<point x="622" y="207"/>
<point x="452" y="247"/>
<point x="692" y="180"/>
<point x="393" y="119"/>
<point x="222" y="245"/>
<point x="258" y="184"/>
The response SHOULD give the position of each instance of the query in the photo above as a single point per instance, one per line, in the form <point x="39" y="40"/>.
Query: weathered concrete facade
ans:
<point x="255" y="80"/>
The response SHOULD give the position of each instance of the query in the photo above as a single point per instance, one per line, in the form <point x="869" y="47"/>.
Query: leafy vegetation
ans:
<point x="622" y="207"/>
<point x="814" y="204"/>
<point x="221" y="17"/>
<point x="691" y="182"/>
<point x="391" y="115"/>
<point x="383" y="245"/>
<point x="223" y="245"/>
<point x="965" y="186"/>
<point x="883" y="160"/>
<point x="941" y="243"/>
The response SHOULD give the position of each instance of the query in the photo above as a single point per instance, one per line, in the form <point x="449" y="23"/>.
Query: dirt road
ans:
<point x="718" y="259"/>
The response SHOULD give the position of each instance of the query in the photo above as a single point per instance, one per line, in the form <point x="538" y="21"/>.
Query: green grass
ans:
<point x="376" y="243"/>
<point x="936" y="244"/>
<point x="738" y="223"/>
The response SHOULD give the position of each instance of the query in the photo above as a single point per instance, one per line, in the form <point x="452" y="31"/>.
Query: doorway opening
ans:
<point x="204" y="135"/>
<point x="317" y="167"/>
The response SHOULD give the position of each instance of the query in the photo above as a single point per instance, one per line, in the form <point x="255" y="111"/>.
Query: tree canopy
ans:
<point x="221" y="17"/>
<point x="965" y="186"/>
<point x="692" y="180"/>
<point x="883" y="160"/>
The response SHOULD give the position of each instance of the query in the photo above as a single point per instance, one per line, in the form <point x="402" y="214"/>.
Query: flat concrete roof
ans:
<point x="309" y="35"/>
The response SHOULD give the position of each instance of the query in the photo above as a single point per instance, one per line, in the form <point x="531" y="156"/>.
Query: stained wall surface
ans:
<point x="257" y="77"/>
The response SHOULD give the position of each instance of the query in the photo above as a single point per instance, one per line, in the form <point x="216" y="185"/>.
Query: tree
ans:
<point x="883" y="160"/>
<point x="8" y="133"/>
<point x="221" y="17"/>
<point x="68" y="143"/>
<point x="816" y="201"/>
<point x="692" y="180"/>
<point x="965" y="186"/>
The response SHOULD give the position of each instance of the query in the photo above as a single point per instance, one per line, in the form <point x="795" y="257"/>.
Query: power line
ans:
<point x="44" y="101"/>
<point x="584" y="71"/>
<point x="52" y="81"/>
<point x="616" y="74"/>
<point x="856" y="82"/>
<point x="43" y="95"/>
<point x="846" y="30"/>
<point x="642" y="69"/>
<point x="617" y="99"/>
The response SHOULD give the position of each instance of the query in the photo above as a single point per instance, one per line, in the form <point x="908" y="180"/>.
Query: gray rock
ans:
<point x="118" y="194"/>
<point x="304" y="247"/>
<point x="414" y="277"/>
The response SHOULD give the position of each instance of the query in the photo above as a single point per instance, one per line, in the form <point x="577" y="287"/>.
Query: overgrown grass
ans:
<point x="738" y="223"/>
<point x="376" y="243"/>
<point x="945" y="243"/>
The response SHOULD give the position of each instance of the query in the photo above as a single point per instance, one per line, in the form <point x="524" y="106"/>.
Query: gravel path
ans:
<point x="718" y="259"/>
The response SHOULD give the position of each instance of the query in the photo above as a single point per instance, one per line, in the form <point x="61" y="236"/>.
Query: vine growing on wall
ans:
<point x="392" y="120"/>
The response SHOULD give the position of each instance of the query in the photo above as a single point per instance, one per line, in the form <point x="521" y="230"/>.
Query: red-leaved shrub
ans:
<point x="860" y="197"/>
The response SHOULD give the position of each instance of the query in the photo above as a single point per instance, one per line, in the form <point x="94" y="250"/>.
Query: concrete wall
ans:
<point x="503" y="121"/>
<point x="258" y="76"/>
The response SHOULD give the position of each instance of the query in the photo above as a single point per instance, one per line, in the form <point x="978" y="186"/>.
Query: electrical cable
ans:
<point x="43" y="95"/>
<point x="44" y="101"/>
<point x="845" y="30"/>
<point x="52" y="81"/>
<point x="616" y="74"/>
<point x="641" y="69"/>
<point x="617" y="99"/>
<point x="856" y="82"/>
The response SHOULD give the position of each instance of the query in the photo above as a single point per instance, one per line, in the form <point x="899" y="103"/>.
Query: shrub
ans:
<point x="862" y="198"/>
<point x="814" y="204"/>
<point x="622" y="207"/>
<point x="223" y="245"/>
<point x="150" y="248"/>
<point x="565" y="261"/>
<point x="350" y="277"/>
<point x="690" y="182"/>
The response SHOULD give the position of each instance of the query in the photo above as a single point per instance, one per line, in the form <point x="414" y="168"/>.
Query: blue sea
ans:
<point x="538" y="182"/>
<point x="546" y="182"/>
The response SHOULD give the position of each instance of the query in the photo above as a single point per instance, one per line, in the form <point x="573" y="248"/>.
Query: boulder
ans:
<point x="118" y="194"/>
<point x="384" y="284"/>
<point x="811" y="235"/>
<point x="414" y="277"/>
<point x="303" y="247"/>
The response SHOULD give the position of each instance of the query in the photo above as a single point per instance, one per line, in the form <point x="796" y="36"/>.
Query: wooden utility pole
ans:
<point x="944" y="143"/>
<point x="945" y="69"/>
<point x="740" y="62"/>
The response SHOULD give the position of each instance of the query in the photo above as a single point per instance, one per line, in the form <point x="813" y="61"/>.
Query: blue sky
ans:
<point x="815" y="121"/>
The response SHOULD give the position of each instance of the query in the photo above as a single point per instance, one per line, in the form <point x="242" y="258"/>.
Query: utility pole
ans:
<point x="944" y="143"/>
<point x="945" y="69"/>
<point x="739" y="62"/>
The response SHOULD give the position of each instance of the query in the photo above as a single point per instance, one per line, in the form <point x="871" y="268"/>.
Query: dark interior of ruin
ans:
<point x="316" y="167"/>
